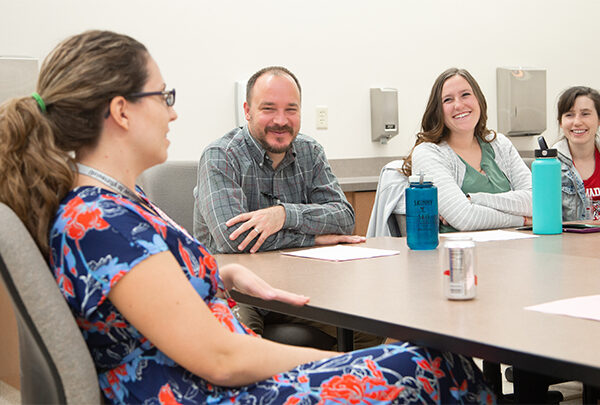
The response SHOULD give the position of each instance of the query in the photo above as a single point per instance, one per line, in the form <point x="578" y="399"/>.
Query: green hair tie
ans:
<point x="39" y="100"/>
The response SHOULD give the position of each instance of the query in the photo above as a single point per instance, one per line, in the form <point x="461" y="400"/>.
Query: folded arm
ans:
<point x="220" y="197"/>
<point x="327" y="210"/>
<point x="518" y="200"/>
<point x="453" y="204"/>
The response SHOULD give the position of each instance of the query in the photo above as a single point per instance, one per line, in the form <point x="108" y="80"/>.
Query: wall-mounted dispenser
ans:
<point x="384" y="114"/>
<point x="18" y="76"/>
<point x="521" y="100"/>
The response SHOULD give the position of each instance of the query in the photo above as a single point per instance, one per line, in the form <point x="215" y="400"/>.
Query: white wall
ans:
<point x="337" y="48"/>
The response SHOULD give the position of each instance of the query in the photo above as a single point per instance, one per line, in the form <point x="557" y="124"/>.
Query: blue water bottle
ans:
<point x="547" y="197"/>
<point x="422" y="221"/>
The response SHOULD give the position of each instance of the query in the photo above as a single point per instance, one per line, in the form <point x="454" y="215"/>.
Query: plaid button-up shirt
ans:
<point x="235" y="175"/>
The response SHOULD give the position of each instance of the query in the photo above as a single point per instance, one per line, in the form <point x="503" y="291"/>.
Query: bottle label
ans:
<point x="427" y="222"/>
<point x="422" y="221"/>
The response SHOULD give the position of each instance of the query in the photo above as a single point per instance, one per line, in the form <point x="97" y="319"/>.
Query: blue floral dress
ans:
<point x="98" y="236"/>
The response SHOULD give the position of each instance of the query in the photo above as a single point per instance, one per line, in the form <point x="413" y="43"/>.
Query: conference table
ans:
<point x="401" y="296"/>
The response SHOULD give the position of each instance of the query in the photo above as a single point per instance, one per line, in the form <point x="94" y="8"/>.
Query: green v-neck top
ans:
<point x="493" y="181"/>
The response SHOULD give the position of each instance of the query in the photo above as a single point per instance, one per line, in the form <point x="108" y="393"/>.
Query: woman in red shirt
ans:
<point x="578" y="152"/>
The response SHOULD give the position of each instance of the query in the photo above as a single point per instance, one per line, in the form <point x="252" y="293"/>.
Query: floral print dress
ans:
<point x="98" y="236"/>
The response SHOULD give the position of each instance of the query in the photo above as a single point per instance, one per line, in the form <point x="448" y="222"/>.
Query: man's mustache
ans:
<point x="278" y="128"/>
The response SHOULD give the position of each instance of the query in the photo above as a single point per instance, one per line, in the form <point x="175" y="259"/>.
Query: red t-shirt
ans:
<point x="592" y="187"/>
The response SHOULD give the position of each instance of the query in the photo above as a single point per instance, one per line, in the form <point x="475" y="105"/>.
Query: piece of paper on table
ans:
<point x="488" y="236"/>
<point x="580" y="307"/>
<point x="340" y="253"/>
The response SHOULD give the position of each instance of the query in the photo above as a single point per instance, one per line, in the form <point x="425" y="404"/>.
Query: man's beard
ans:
<point x="272" y="149"/>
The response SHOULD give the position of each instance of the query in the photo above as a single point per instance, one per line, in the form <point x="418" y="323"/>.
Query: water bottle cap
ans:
<point x="546" y="153"/>
<point x="415" y="178"/>
<point x="543" y="151"/>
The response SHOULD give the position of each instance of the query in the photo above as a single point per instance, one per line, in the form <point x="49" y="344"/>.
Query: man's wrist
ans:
<point x="290" y="220"/>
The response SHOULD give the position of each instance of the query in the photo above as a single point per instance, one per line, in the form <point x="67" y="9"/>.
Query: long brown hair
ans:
<point x="77" y="80"/>
<point x="433" y="128"/>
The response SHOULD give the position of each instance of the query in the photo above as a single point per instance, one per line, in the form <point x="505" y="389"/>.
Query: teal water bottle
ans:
<point x="547" y="197"/>
<point x="422" y="220"/>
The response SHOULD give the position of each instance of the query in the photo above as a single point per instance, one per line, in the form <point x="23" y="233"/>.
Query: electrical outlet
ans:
<point x="322" y="117"/>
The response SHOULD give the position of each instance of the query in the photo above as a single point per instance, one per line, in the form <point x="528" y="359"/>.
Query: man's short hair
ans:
<point x="274" y="70"/>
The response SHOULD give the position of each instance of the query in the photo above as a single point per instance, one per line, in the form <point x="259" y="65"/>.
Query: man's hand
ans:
<point x="261" y="223"/>
<point x="333" y="239"/>
<point x="243" y="280"/>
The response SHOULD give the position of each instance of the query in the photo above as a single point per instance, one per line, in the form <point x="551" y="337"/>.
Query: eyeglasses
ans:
<point x="168" y="96"/>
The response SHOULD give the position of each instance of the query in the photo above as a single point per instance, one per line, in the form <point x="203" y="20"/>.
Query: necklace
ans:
<point x="109" y="181"/>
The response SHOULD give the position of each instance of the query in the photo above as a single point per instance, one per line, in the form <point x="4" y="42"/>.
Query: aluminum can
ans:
<point x="458" y="266"/>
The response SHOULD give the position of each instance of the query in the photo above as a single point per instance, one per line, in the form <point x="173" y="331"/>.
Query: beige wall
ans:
<point x="338" y="48"/>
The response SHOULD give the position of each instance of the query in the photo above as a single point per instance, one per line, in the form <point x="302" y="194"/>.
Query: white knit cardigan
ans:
<point x="483" y="210"/>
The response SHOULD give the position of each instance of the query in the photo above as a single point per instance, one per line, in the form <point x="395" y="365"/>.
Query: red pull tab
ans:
<point x="231" y="302"/>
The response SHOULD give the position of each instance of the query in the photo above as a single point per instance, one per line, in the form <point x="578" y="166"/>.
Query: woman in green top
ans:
<point x="482" y="181"/>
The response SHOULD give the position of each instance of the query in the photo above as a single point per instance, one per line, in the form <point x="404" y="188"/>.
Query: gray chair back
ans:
<point x="171" y="187"/>
<point x="401" y="223"/>
<point x="56" y="366"/>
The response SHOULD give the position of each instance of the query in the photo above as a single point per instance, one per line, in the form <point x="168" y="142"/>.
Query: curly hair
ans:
<point x="433" y="128"/>
<point x="77" y="80"/>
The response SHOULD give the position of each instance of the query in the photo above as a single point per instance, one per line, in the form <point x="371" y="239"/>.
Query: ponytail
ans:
<point x="39" y="135"/>
<point x="34" y="174"/>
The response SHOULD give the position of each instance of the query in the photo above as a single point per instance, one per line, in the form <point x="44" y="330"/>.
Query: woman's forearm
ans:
<point x="246" y="359"/>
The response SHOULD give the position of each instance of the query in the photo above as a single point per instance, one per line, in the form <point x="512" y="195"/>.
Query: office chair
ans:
<point x="298" y="335"/>
<point x="170" y="186"/>
<point x="55" y="364"/>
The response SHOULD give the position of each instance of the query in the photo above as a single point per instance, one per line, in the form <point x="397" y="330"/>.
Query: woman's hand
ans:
<point x="245" y="281"/>
<point x="443" y="221"/>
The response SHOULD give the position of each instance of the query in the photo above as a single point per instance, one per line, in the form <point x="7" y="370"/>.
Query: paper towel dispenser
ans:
<point x="384" y="114"/>
<point x="18" y="76"/>
<point x="521" y="100"/>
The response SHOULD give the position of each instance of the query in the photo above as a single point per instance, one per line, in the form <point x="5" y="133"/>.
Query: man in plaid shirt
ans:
<point x="264" y="186"/>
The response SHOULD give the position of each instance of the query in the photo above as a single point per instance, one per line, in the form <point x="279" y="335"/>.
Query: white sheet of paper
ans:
<point x="488" y="236"/>
<point x="340" y="253"/>
<point x="580" y="307"/>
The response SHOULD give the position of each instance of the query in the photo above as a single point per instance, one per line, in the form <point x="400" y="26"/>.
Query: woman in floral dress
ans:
<point x="147" y="296"/>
